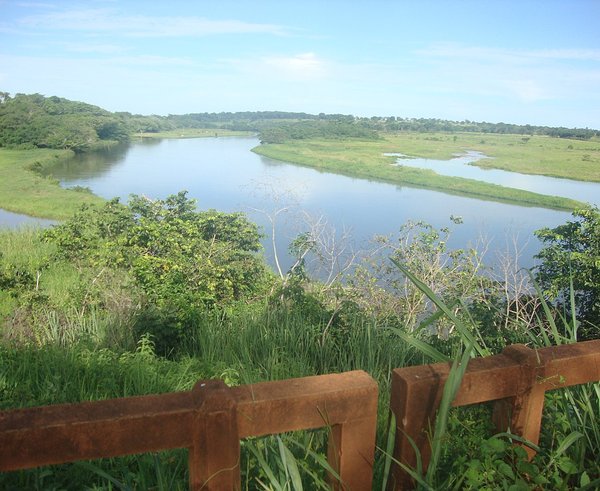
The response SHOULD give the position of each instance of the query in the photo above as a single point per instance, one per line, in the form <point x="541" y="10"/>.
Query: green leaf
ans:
<point x="290" y="465"/>
<point x="495" y="445"/>
<point x="421" y="346"/>
<point x="506" y="470"/>
<point x="566" y="465"/>
<point x="584" y="480"/>
<point x="460" y="327"/>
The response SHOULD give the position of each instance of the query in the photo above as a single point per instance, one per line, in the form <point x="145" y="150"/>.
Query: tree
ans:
<point x="571" y="255"/>
<point x="183" y="260"/>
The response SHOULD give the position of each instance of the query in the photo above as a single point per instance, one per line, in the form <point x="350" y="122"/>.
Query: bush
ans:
<point x="180" y="258"/>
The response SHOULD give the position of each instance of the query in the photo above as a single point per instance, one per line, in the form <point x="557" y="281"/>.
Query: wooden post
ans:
<point x="522" y="413"/>
<point x="344" y="402"/>
<point x="416" y="396"/>
<point x="351" y="453"/>
<point x="516" y="380"/>
<point x="215" y="454"/>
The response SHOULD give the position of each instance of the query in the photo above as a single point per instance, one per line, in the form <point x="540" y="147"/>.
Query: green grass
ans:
<point x="540" y="155"/>
<point x="245" y="345"/>
<point x="82" y="347"/>
<point x="193" y="133"/>
<point x="23" y="190"/>
<point x="365" y="159"/>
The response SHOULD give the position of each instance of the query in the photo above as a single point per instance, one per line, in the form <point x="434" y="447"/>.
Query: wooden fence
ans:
<point x="211" y="419"/>
<point x="516" y="380"/>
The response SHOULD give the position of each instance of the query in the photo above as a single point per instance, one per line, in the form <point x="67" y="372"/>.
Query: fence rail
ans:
<point x="516" y="380"/>
<point x="211" y="419"/>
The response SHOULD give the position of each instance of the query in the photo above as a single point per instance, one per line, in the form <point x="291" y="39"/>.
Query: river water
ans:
<point x="461" y="166"/>
<point x="14" y="220"/>
<point x="223" y="173"/>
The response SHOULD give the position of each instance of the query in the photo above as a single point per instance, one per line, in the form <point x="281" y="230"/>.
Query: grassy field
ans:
<point x="24" y="190"/>
<point x="193" y="133"/>
<point x="365" y="159"/>
<point x="541" y="155"/>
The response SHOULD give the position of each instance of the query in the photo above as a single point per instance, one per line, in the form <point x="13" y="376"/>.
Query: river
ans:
<point x="223" y="173"/>
<point x="462" y="166"/>
<point x="14" y="220"/>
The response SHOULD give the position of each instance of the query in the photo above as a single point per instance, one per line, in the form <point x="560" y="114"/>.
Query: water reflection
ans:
<point x="15" y="220"/>
<point x="463" y="166"/>
<point x="223" y="173"/>
<point x="91" y="165"/>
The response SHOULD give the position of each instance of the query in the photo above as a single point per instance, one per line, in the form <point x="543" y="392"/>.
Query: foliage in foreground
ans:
<point x="567" y="455"/>
<point x="104" y="297"/>
<point x="182" y="261"/>
<point x="570" y="261"/>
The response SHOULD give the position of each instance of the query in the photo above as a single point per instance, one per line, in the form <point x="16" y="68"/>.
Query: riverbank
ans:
<point x="365" y="159"/>
<point x="24" y="190"/>
<point x="193" y="133"/>
<point x="537" y="155"/>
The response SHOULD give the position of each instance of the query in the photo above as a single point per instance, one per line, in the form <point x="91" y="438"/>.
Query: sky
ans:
<point x="523" y="62"/>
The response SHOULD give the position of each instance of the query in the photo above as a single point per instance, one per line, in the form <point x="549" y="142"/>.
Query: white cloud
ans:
<point x="526" y="76"/>
<point x="302" y="66"/>
<point x="507" y="56"/>
<point x="567" y="54"/>
<point x="109" y="20"/>
<point x="40" y="5"/>
<point x="104" y="49"/>
<point x="159" y="62"/>
<point x="527" y="90"/>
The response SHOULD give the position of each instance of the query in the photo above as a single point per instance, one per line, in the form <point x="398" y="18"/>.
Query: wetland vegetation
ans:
<point x="149" y="296"/>
<point x="24" y="189"/>
<point x="368" y="160"/>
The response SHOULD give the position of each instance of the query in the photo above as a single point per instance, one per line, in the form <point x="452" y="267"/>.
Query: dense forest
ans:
<point x="33" y="120"/>
<point x="150" y="296"/>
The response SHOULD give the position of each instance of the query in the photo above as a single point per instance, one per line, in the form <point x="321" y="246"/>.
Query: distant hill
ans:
<point x="28" y="121"/>
<point x="33" y="120"/>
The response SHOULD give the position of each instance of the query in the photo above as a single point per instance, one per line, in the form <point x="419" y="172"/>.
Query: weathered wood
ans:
<point x="304" y="403"/>
<point x="525" y="407"/>
<point x="346" y="402"/>
<point x="351" y="453"/>
<point x="64" y="433"/>
<point x="516" y="379"/>
<point x="214" y="457"/>
<point x="209" y="421"/>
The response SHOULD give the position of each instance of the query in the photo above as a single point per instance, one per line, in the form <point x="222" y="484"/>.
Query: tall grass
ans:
<point x="273" y="343"/>
<point x="81" y="346"/>
<point x="568" y="451"/>
<point x="24" y="190"/>
<point x="242" y="345"/>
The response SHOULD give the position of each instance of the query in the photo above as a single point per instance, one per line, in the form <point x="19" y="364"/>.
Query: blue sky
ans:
<point x="535" y="62"/>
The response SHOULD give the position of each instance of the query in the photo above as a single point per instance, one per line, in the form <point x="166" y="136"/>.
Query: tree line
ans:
<point x="34" y="120"/>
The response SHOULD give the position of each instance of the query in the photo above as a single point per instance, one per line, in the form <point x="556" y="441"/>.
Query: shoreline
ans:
<point x="371" y="167"/>
<point x="24" y="191"/>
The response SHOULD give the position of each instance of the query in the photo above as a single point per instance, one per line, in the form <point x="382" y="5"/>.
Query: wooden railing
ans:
<point x="516" y="380"/>
<point x="209" y="420"/>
